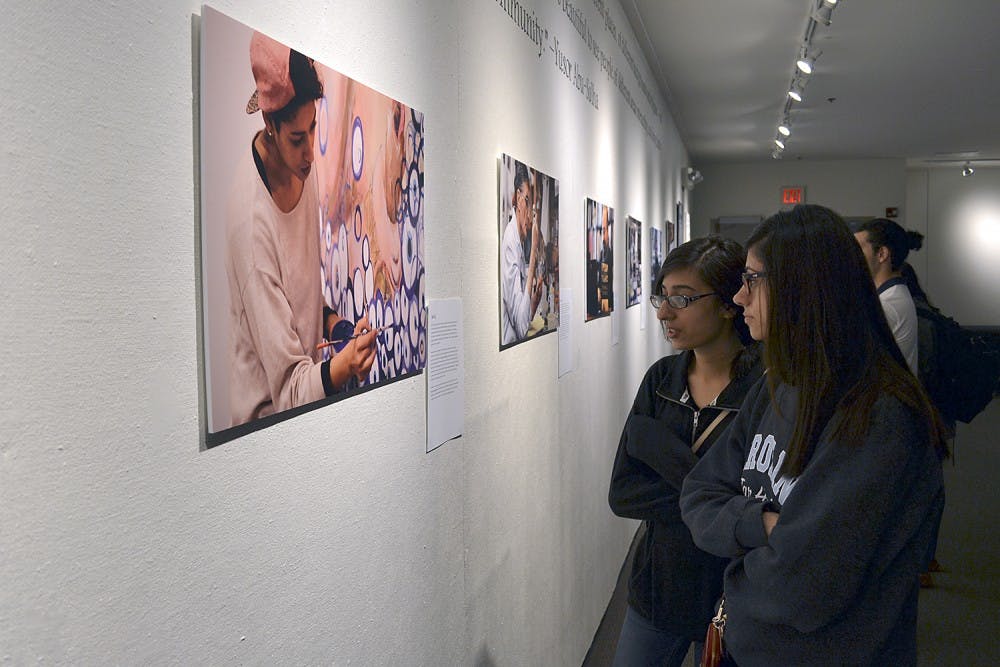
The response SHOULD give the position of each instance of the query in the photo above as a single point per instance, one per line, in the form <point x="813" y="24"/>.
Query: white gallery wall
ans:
<point x="853" y="188"/>
<point x="330" y="538"/>
<point x="959" y="264"/>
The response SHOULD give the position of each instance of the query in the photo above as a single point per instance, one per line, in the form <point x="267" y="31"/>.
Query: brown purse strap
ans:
<point x="704" y="434"/>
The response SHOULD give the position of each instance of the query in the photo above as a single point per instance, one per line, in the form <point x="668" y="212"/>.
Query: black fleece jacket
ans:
<point x="673" y="584"/>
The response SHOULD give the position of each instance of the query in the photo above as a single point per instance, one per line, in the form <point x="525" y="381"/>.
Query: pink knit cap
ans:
<point x="269" y="62"/>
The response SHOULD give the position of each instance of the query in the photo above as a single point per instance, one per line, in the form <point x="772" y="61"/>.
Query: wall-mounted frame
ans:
<point x="312" y="283"/>
<point x="633" y="261"/>
<point x="655" y="254"/>
<point x="528" y="252"/>
<point x="599" y="223"/>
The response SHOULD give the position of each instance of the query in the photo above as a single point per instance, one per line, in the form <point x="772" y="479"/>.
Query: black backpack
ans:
<point x="960" y="379"/>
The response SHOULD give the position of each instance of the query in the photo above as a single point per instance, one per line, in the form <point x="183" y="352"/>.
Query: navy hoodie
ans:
<point x="836" y="582"/>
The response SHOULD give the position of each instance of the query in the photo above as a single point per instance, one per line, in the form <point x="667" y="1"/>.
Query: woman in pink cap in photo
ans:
<point x="277" y="316"/>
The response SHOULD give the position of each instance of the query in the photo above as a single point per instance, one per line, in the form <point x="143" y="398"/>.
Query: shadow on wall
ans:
<point x="483" y="657"/>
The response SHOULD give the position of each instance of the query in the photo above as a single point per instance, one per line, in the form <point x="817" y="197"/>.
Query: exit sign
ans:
<point x="792" y="195"/>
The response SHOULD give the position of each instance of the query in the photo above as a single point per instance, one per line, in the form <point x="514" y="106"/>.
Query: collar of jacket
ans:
<point x="675" y="384"/>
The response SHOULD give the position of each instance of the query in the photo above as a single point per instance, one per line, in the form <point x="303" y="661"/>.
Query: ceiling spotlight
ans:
<point x="805" y="64"/>
<point x="967" y="170"/>
<point x="783" y="129"/>
<point x="776" y="154"/>
<point x="779" y="143"/>
<point x="693" y="177"/>
<point x="824" y="11"/>
<point x="795" y="92"/>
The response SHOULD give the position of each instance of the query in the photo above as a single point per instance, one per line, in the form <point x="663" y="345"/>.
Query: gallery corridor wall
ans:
<point x="958" y="215"/>
<point x="331" y="538"/>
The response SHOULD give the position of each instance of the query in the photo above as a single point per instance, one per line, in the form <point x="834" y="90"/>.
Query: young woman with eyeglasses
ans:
<point x="827" y="486"/>
<point x="683" y="405"/>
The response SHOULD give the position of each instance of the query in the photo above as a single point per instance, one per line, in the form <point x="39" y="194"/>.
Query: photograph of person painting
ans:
<point x="312" y="232"/>
<point x="277" y="319"/>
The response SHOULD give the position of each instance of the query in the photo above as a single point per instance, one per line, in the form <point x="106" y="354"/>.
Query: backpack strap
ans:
<point x="892" y="282"/>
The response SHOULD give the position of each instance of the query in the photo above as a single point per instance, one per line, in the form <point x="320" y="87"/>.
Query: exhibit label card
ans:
<point x="566" y="332"/>
<point x="445" y="373"/>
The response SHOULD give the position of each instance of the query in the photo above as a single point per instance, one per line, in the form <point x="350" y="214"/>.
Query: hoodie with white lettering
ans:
<point x="836" y="581"/>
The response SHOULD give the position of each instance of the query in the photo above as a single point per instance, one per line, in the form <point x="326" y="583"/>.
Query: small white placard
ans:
<point x="445" y="373"/>
<point x="565" y="331"/>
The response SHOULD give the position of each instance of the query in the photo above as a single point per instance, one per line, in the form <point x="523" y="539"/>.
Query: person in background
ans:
<point x="276" y="314"/>
<point x="925" y="340"/>
<point x="886" y="245"/>
<point x="826" y="488"/>
<point x="681" y="408"/>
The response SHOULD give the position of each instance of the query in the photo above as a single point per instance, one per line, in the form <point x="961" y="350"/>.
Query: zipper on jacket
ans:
<point x="697" y="413"/>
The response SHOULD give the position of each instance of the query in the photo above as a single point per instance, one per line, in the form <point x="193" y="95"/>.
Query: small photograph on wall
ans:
<point x="679" y="230"/>
<point x="312" y="230"/>
<point x="600" y="226"/>
<point x="529" y="252"/>
<point x="671" y="235"/>
<point x="634" y="252"/>
<point x="655" y="254"/>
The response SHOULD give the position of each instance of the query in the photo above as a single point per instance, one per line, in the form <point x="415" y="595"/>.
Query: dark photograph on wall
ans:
<point x="633" y="252"/>
<point x="529" y="252"/>
<point x="599" y="227"/>
<point x="655" y="254"/>
<point x="671" y="235"/>
<point x="677" y="233"/>
<point x="312" y="219"/>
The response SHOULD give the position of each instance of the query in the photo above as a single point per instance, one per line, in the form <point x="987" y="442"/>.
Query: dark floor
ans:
<point x="960" y="615"/>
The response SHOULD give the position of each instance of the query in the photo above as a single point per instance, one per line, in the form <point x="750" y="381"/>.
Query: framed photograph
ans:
<point x="655" y="255"/>
<point x="529" y="252"/>
<point x="312" y="232"/>
<point x="676" y="236"/>
<point x="633" y="252"/>
<point x="599" y="236"/>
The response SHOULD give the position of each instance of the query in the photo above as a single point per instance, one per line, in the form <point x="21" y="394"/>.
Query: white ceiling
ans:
<point x="908" y="79"/>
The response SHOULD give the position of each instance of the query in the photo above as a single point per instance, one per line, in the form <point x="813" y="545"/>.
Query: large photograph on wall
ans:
<point x="529" y="252"/>
<point x="634" y="262"/>
<point x="599" y="227"/>
<point x="312" y="219"/>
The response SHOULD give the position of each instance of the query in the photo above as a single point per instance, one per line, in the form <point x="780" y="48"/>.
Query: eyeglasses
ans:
<point x="677" y="301"/>
<point x="751" y="277"/>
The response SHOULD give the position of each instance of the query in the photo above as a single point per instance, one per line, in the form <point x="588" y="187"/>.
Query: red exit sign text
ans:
<point x="793" y="195"/>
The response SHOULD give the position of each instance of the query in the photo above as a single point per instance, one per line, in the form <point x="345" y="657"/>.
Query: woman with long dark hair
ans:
<point x="683" y="405"/>
<point x="826" y="488"/>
